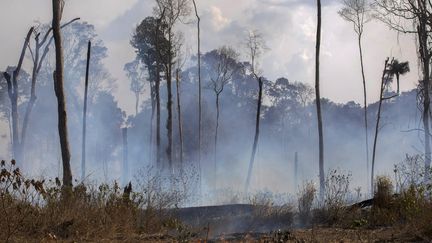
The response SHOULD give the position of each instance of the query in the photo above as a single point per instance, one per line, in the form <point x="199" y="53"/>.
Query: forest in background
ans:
<point x="288" y="123"/>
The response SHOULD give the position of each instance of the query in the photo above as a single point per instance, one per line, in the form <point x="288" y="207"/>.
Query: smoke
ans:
<point x="288" y="127"/>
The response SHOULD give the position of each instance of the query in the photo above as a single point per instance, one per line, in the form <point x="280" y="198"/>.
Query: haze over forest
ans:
<point x="127" y="65"/>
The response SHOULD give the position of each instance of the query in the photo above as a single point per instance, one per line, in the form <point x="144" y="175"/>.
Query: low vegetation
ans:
<point x="47" y="211"/>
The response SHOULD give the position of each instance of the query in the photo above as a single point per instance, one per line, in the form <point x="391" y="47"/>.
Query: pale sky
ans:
<point x="287" y="25"/>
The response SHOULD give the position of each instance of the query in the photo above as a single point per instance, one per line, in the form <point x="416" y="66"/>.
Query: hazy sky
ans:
<point x="288" y="26"/>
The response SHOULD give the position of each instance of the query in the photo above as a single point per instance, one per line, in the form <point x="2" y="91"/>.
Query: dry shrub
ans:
<point x="383" y="212"/>
<point x="159" y="193"/>
<point x="412" y="204"/>
<point x="19" y="201"/>
<point x="306" y="198"/>
<point x="38" y="209"/>
<point x="333" y="209"/>
<point x="272" y="208"/>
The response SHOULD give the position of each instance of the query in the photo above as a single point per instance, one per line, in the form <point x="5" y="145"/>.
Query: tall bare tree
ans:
<point x="12" y="84"/>
<point x="84" y="129"/>
<point x="38" y="55"/>
<point x="414" y="17"/>
<point x="358" y="13"/>
<point x="255" y="46"/>
<point x="58" y="6"/>
<point x="199" y="87"/>
<point x="220" y="75"/>
<point x="318" y="102"/>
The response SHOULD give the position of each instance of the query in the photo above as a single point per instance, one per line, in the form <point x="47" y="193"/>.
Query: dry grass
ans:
<point x="44" y="210"/>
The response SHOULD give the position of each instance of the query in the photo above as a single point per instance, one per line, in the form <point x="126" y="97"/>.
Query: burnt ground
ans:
<point x="249" y="223"/>
<point x="237" y="218"/>
<point x="298" y="235"/>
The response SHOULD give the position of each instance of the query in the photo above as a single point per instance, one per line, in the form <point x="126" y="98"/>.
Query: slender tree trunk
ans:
<point x="296" y="171"/>
<point x="15" y="124"/>
<point x="37" y="64"/>
<point x="10" y="129"/>
<point x="158" y="118"/>
<point x="199" y="93"/>
<point x="157" y="96"/>
<point x="33" y="98"/>
<point x="180" y="127"/>
<point x="425" y="57"/>
<point x="83" y="149"/>
<point x="125" y="156"/>
<point x="169" y="125"/>
<point x="257" y="127"/>
<point x="365" y="104"/>
<point x="318" y="103"/>
<point x="137" y="96"/>
<point x="59" y="90"/>
<point x="397" y="80"/>
<point x="12" y="85"/>
<point x="377" y="127"/>
<point x="153" y="104"/>
<point x="216" y="142"/>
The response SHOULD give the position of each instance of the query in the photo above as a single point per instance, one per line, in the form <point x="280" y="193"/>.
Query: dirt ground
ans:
<point x="308" y="235"/>
<point x="331" y="235"/>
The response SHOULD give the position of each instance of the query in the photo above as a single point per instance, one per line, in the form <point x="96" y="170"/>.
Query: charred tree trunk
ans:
<point x="257" y="127"/>
<point x="59" y="90"/>
<point x="137" y="96"/>
<point x="158" y="119"/>
<point x="169" y="123"/>
<point x="199" y="91"/>
<point x="296" y="171"/>
<point x="318" y="102"/>
<point x="125" y="156"/>
<point x="37" y="64"/>
<point x="83" y="149"/>
<point x="180" y="127"/>
<point x="157" y="96"/>
<point x="153" y="105"/>
<point x="12" y="85"/>
<point x="216" y="141"/>
<point x="33" y="97"/>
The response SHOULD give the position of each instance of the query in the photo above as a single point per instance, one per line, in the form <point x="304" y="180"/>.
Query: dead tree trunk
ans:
<point x="33" y="97"/>
<point x="83" y="155"/>
<point x="216" y="141"/>
<point x="199" y="91"/>
<point x="125" y="156"/>
<point x="157" y="95"/>
<point x="180" y="127"/>
<point x="169" y="119"/>
<point x="59" y="90"/>
<point x="153" y="105"/>
<point x="365" y="102"/>
<point x="257" y="127"/>
<point x="37" y="64"/>
<point x="318" y="102"/>
<point x="12" y="84"/>
<point x="296" y="171"/>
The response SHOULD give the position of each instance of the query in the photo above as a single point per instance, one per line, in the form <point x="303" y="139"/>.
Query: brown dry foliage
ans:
<point x="42" y="210"/>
